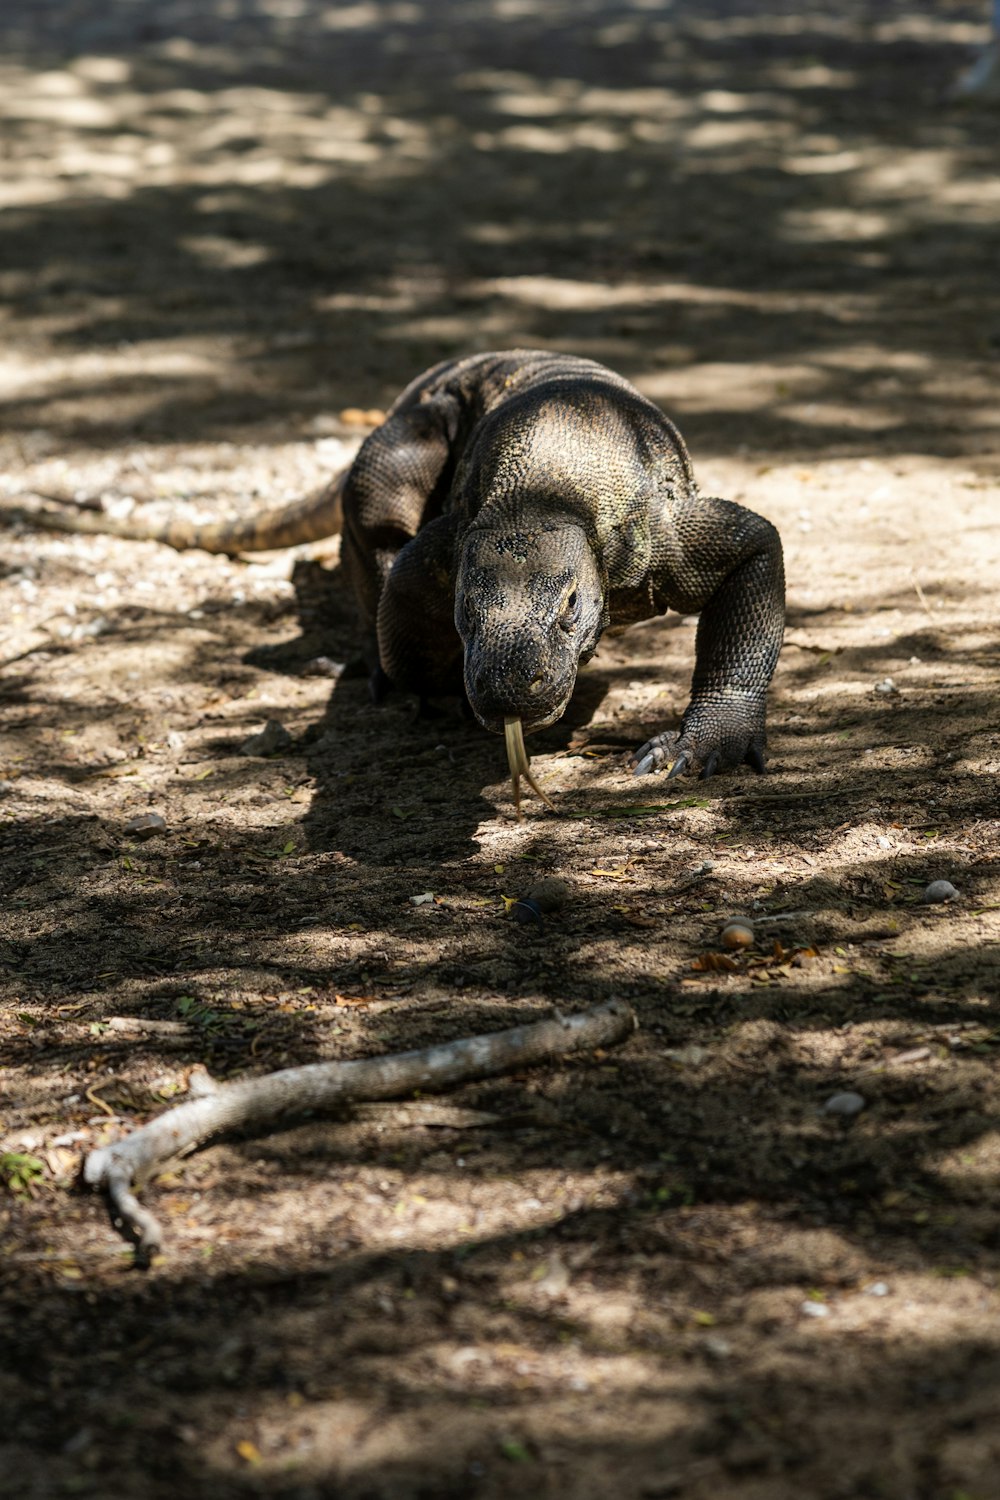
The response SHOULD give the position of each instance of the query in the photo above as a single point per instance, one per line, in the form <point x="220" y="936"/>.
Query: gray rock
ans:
<point x="146" y="825"/>
<point x="737" y="933"/>
<point x="939" y="890"/>
<point x="323" y="666"/>
<point x="267" y="741"/>
<point x="550" y="893"/>
<point x="845" y="1104"/>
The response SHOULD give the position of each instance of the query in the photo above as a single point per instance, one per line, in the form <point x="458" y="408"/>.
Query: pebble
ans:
<point x="846" y="1104"/>
<point x="549" y="894"/>
<point x="267" y="741"/>
<point x="554" y="1280"/>
<point x="323" y="666"/>
<point x="887" y="687"/>
<point x="146" y="825"/>
<point x="545" y="896"/>
<point x="425" y="898"/>
<point x="877" y="1289"/>
<point x="689" y="1056"/>
<point x="738" y="933"/>
<point x="939" y="890"/>
<point x="815" y="1310"/>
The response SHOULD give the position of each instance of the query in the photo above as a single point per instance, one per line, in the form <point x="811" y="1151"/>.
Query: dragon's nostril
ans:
<point x="537" y="683"/>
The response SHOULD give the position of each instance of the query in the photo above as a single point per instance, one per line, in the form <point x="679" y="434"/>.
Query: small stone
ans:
<point x="425" y="898"/>
<point x="689" y="1056"/>
<point x="716" y="1347"/>
<point x="846" y="1104"/>
<point x="526" y="910"/>
<point x="815" y="1310"/>
<point x="939" y="890"/>
<point x="79" y="1442"/>
<point x="738" y="933"/>
<point x="554" y="1279"/>
<point x="267" y="741"/>
<point x="551" y="893"/>
<point x="146" y="825"/>
<point x="323" y="666"/>
<point x="886" y="687"/>
<point x="877" y="1289"/>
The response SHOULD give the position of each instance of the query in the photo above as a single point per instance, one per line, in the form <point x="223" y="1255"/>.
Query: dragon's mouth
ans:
<point x="520" y="765"/>
<point x="529" y="724"/>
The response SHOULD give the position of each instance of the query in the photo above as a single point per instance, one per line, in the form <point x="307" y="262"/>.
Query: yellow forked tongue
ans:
<point x="520" y="765"/>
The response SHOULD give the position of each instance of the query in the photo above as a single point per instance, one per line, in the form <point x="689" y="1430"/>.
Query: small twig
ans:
<point x="96" y="1099"/>
<point x="144" y="1024"/>
<point x="921" y="596"/>
<point x="781" y="916"/>
<point x="255" y="1103"/>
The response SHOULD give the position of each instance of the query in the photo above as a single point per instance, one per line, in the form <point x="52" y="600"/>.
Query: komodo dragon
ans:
<point x="510" y="508"/>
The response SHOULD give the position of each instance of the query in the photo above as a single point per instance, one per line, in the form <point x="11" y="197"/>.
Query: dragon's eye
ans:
<point x="570" y="612"/>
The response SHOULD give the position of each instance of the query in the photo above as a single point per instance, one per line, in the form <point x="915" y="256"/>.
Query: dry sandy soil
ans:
<point x="660" y="1271"/>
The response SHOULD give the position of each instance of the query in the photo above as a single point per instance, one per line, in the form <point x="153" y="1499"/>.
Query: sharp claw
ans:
<point x="642" y="767"/>
<point x="754" y="758"/>
<point x="711" y="766"/>
<point x="679" y="766"/>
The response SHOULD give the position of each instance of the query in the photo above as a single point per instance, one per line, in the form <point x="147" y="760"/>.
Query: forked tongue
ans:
<point x="520" y="765"/>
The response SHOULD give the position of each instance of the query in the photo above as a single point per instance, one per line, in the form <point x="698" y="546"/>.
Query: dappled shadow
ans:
<point x="212" y="218"/>
<point x="227" y="222"/>
<point x="465" y="1335"/>
<point x="394" y="826"/>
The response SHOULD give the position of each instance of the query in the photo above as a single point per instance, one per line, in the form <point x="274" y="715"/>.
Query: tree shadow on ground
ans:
<point x="598" y="209"/>
<point x="383" y="1339"/>
<point x="766" y="216"/>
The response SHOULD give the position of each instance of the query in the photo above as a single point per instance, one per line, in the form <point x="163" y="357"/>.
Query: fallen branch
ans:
<point x="256" y="1103"/>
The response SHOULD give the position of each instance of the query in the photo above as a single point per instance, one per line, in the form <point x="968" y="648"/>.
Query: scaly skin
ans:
<point x="512" y="507"/>
<point x="317" y="516"/>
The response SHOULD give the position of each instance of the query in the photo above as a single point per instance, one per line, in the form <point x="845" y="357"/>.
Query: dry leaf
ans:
<point x="709" y="961"/>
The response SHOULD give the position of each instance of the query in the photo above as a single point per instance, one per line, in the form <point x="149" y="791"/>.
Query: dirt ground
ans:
<point x="230" y="229"/>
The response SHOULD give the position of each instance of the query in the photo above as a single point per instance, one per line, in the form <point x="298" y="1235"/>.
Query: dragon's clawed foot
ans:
<point x="708" y="746"/>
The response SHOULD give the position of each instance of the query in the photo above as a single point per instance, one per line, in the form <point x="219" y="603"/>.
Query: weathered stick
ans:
<point x="260" y="1102"/>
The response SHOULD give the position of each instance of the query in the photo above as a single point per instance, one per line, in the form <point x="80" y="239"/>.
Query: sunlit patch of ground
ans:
<point x="667" y="1270"/>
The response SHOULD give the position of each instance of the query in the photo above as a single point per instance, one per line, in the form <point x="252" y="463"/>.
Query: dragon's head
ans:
<point x="529" y="607"/>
